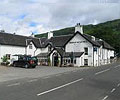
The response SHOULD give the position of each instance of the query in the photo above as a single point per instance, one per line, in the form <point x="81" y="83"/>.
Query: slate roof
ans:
<point x="60" y="50"/>
<point x="105" y="45"/>
<point x="89" y="38"/>
<point x="60" y="41"/>
<point x="56" y="41"/>
<point x="18" y="40"/>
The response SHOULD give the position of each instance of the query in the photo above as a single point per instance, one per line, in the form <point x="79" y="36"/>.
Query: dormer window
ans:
<point x="30" y="46"/>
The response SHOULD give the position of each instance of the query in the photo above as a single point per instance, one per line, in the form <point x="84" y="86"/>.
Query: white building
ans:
<point x="11" y="44"/>
<point x="77" y="49"/>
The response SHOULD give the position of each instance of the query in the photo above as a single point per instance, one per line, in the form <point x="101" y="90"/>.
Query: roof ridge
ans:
<point x="63" y="35"/>
<point x="17" y="35"/>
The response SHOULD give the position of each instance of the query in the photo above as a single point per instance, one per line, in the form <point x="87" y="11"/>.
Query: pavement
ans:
<point x="99" y="83"/>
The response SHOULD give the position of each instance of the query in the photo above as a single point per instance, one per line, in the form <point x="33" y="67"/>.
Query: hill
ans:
<point x="108" y="31"/>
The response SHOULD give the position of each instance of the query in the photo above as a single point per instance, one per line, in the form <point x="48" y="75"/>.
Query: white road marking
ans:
<point x="118" y="85"/>
<point x="67" y="73"/>
<point x="105" y="97"/>
<point x="113" y="90"/>
<point x="58" y="74"/>
<point x="116" y="66"/>
<point x="32" y="80"/>
<point x="46" y="77"/>
<point x="102" y="71"/>
<point x="15" y="84"/>
<point x="59" y="87"/>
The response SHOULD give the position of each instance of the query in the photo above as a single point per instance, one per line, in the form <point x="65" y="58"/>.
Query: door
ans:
<point x="55" y="59"/>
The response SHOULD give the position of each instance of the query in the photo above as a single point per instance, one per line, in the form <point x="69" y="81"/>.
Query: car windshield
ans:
<point x="24" y="58"/>
<point x="34" y="58"/>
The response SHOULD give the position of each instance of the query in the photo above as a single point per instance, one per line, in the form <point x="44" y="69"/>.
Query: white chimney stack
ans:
<point x="32" y="35"/>
<point x="93" y="38"/>
<point x="79" y="28"/>
<point x="50" y="34"/>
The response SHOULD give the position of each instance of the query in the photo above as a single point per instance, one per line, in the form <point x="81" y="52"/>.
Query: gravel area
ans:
<point x="12" y="73"/>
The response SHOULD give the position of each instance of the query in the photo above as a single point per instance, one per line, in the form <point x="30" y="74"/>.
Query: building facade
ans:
<point x="77" y="49"/>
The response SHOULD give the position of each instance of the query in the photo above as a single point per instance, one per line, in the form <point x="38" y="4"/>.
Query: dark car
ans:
<point x="34" y="58"/>
<point x="25" y="61"/>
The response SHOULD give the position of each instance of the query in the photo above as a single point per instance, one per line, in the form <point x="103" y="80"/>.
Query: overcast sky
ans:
<point x="38" y="16"/>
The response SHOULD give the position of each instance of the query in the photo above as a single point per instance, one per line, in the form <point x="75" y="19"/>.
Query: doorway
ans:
<point x="55" y="59"/>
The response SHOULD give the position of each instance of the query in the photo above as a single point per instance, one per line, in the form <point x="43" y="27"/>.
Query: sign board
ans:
<point x="78" y="42"/>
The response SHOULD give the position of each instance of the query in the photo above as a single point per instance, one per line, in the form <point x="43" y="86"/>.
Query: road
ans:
<point x="99" y="83"/>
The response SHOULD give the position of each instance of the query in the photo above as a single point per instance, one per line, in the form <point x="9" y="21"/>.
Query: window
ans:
<point x="30" y="46"/>
<point x="95" y="49"/>
<point x="49" y="48"/>
<point x="74" y="61"/>
<point x="86" y="51"/>
<point x="68" y="60"/>
<point x="86" y="62"/>
<point x="8" y="56"/>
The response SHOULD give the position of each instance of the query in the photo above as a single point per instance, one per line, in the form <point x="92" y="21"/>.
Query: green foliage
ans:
<point x="64" y="31"/>
<point x="4" y="59"/>
<point x="108" y="31"/>
<point x="49" y="62"/>
<point x="42" y="35"/>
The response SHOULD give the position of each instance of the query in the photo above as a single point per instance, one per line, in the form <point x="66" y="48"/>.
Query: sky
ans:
<point x="38" y="16"/>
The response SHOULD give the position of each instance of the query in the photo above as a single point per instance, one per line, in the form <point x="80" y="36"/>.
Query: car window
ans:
<point x="20" y="58"/>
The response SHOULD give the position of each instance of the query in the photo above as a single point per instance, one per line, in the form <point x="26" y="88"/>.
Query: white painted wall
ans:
<point x="77" y="44"/>
<point x="12" y="50"/>
<point x="37" y="51"/>
<point x="96" y="55"/>
<point x="79" y="61"/>
<point x="31" y="51"/>
<point x="44" y="50"/>
<point x="77" y="47"/>
<point x="6" y="49"/>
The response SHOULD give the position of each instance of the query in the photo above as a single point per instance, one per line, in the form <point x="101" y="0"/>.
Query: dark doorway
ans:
<point x="55" y="56"/>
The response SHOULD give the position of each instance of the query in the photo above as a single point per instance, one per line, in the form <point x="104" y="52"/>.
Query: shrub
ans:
<point x="4" y="59"/>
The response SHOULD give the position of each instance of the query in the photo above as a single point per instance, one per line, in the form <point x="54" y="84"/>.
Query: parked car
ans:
<point x="34" y="58"/>
<point x="25" y="61"/>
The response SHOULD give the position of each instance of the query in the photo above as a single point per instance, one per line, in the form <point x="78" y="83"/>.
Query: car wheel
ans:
<point x="33" y="66"/>
<point x="26" y="66"/>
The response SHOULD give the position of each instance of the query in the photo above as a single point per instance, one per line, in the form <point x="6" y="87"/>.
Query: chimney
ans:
<point x="14" y="33"/>
<point x="50" y="34"/>
<point x="93" y="38"/>
<point x="3" y="31"/>
<point x="32" y="35"/>
<point x="100" y="40"/>
<point x="79" y="28"/>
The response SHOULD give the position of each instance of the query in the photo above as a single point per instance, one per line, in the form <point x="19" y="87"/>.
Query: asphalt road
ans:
<point x="99" y="83"/>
